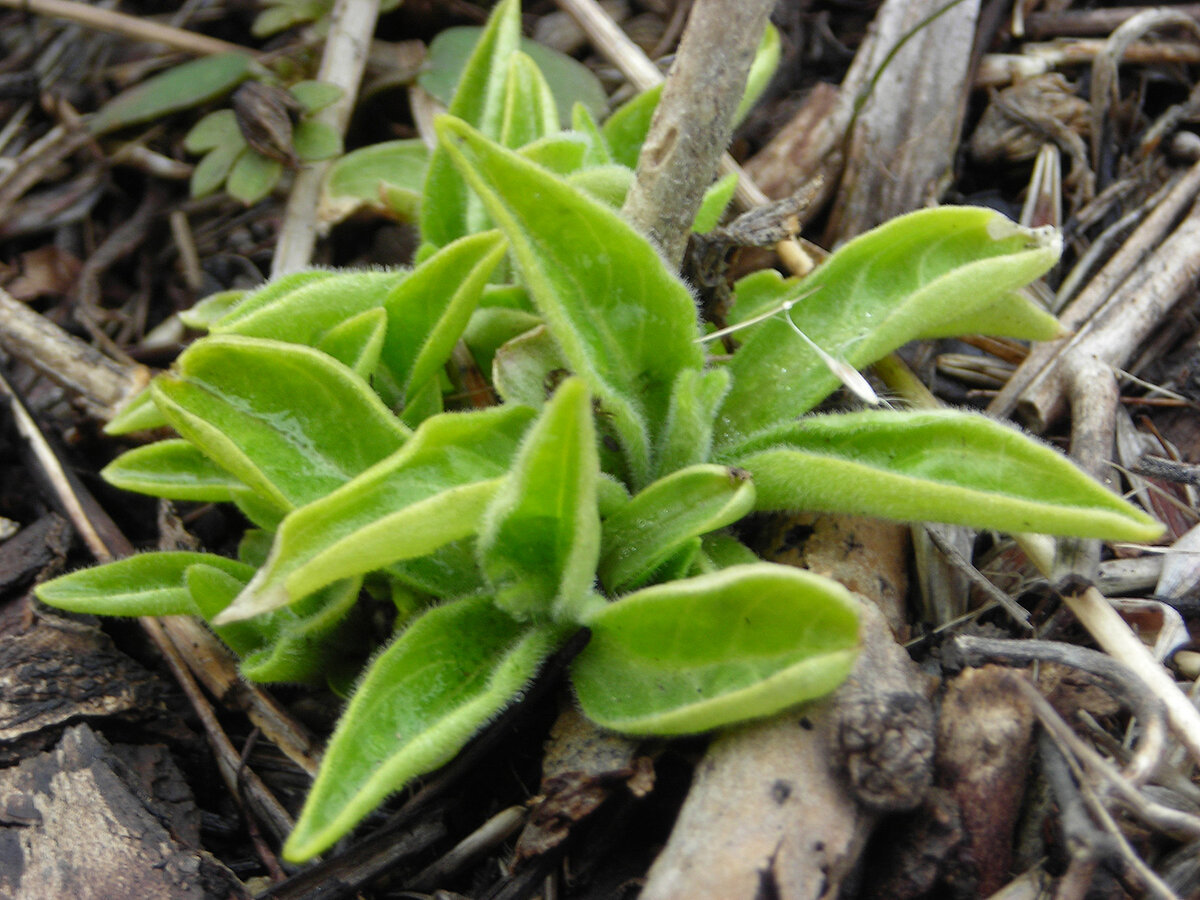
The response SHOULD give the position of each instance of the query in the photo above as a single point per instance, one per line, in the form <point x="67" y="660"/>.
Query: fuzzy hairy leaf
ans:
<point x="529" y="112"/>
<point x="274" y="415"/>
<point x="688" y="435"/>
<point x="448" y="210"/>
<point x="938" y="466"/>
<point x="357" y="342"/>
<point x="173" y="469"/>
<point x="387" y="177"/>
<point x="301" y="308"/>
<point x="571" y="81"/>
<point x="430" y="493"/>
<point x="625" y="324"/>
<point x="150" y="584"/>
<point x="696" y="654"/>
<point x="420" y="701"/>
<point x="626" y="129"/>
<point x="428" y="311"/>
<point x="713" y="204"/>
<point x="307" y="638"/>
<point x="138" y="414"/>
<point x="541" y="535"/>
<point x="896" y="282"/>
<point x="582" y="122"/>
<point x="645" y="532"/>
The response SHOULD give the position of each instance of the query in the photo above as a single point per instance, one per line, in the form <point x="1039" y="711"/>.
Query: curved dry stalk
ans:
<point x="128" y="26"/>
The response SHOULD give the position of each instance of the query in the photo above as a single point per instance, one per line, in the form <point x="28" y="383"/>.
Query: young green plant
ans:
<point x="603" y="491"/>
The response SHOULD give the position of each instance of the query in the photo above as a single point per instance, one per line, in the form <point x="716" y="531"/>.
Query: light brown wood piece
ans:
<point x="79" y="822"/>
<point x="772" y="811"/>
<point x="985" y="738"/>
<point x="906" y="134"/>
<point x="103" y="385"/>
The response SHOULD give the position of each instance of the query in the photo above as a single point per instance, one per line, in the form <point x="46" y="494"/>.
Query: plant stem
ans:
<point x="694" y="120"/>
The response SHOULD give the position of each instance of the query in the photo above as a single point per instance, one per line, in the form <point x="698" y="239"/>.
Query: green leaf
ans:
<point x="315" y="95"/>
<point x="625" y="324"/>
<point x="357" y="342"/>
<point x="210" y="173"/>
<point x="212" y="131"/>
<point x="609" y="184"/>
<point x="688" y="435"/>
<point x="724" y="550"/>
<point x="1017" y="315"/>
<point x="213" y="589"/>
<point x="448" y="210"/>
<point x="697" y="654"/>
<point x="283" y="14"/>
<point x="274" y="415"/>
<point x="571" y="81"/>
<point x="295" y="645"/>
<point x="314" y="141"/>
<point x="421" y="700"/>
<point x="211" y="308"/>
<point x="584" y="123"/>
<point x="173" y="469"/>
<point x="387" y="177"/>
<point x="641" y="535"/>
<point x="428" y="311"/>
<point x="302" y="307"/>
<point x="252" y="176"/>
<point x="308" y="638"/>
<point x="150" y="584"/>
<point x="562" y="152"/>
<point x="450" y="572"/>
<point x="896" y="282"/>
<point x="529" y="112"/>
<point x="712" y="207"/>
<point x="762" y="70"/>
<point x="430" y="493"/>
<point x="541" y="534"/>
<point x="525" y="368"/>
<point x="939" y="466"/>
<point x="180" y="87"/>
<point x="488" y="329"/>
<point x="626" y="129"/>
<point x="275" y="19"/>
<point x="423" y="403"/>
<point x="138" y="414"/>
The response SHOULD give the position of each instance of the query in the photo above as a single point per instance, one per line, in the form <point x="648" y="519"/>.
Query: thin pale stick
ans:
<point x="128" y="26"/>
<point x="351" y="25"/>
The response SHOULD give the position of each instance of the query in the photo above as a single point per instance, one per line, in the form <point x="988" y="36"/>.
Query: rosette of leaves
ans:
<point x="601" y="493"/>
<point x="246" y="148"/>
